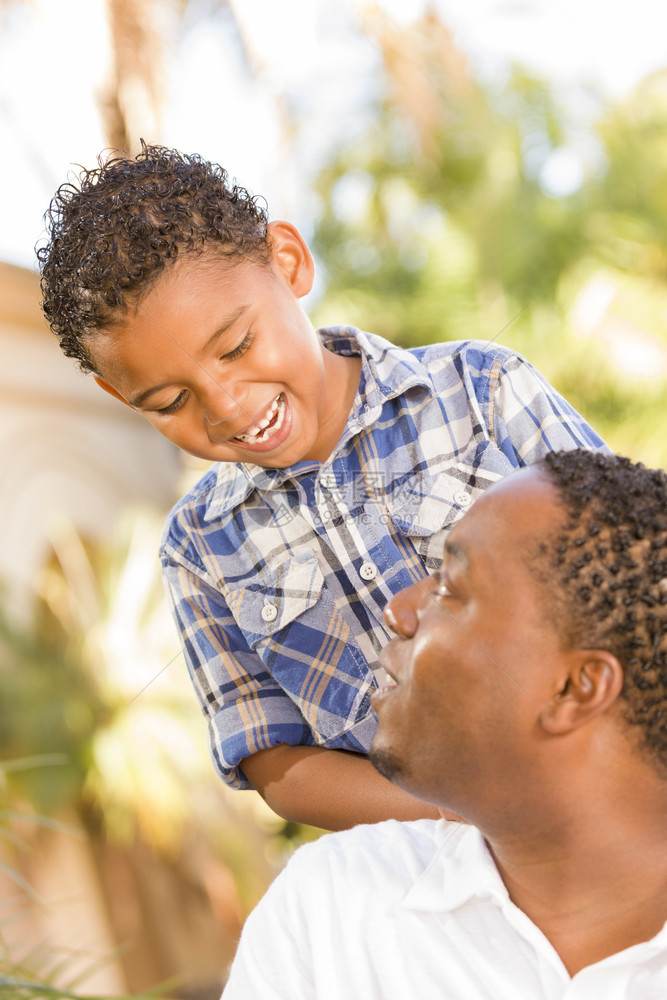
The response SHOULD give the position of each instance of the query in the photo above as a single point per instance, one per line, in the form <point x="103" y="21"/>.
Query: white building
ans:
<point x="66" y="448"/>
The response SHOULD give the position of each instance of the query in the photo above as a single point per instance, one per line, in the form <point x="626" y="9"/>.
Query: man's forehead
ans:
<point x="523" y="506"/>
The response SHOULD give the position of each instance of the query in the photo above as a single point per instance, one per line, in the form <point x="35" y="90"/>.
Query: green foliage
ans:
<point x="74" y="685"/>
<point x="96" y="692"/>
<point x="460" y="230"/>
<point x="18" y="986"/>
<point x="50" y="706"/>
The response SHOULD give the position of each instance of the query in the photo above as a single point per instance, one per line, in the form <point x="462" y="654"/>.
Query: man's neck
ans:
<point x="595" y="883"/>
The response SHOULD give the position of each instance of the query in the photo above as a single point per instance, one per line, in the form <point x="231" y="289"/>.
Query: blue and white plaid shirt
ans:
<point x="279" y="577"/>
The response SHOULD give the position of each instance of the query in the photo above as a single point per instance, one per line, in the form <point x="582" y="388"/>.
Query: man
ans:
<point x="529" y="696"/>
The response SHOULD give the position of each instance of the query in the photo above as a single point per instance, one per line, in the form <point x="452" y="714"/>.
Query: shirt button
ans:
<point x="269" y="612"/>
<point x="462" y="498"/>
<point x="368" y="571"/>
<point x="328" y="480"/>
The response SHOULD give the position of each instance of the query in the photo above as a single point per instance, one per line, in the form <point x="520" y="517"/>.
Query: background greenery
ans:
<point x="444" y="221"/>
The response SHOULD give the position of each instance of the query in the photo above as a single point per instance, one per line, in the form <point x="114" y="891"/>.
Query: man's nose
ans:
<point x="400" y="614"/>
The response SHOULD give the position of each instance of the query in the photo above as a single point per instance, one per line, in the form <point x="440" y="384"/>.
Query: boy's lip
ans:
<point x="261" y="414"/>
<point x="274" y="439"/>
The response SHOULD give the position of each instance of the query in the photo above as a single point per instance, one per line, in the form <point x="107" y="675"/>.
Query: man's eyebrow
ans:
<point x="227" y="322"/>
<point x="456" y="551"/>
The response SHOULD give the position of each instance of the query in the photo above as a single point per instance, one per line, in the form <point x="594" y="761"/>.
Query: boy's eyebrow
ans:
<point x="225" y="325"/>
<point x="228" y="321"/>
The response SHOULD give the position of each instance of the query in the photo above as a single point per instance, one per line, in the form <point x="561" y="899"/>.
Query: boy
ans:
<point x="340" y="460"/>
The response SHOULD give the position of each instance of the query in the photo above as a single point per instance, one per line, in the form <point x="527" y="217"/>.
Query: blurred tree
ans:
<point x="130" y="103"/>
<point x="141" y="36"/>
<point x="42" y="970"/>
<point x="178" y="858"/>
<point x="479" y="211"/>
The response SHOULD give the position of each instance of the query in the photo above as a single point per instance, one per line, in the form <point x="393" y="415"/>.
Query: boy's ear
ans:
<point x="593" y="682"/>
<point x="110" y="389"/>
<point x="290" y="254"/>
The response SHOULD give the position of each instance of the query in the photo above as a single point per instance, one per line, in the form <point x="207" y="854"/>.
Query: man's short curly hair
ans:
<point x="111" y="234"/>
<point x="607" y="574"/>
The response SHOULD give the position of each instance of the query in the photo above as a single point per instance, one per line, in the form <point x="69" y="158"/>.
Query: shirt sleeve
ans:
<point x="528" y="418"/>
<point x="246" y="709"/>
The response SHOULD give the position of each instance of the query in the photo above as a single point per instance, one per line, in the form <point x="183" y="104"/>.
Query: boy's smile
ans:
<point x="265" y="431"/>
<point x="220" y="357"/>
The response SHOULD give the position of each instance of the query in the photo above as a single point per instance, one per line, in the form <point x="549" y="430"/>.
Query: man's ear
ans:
<point x="110" y="389"/>
<point x="593" y="682"/>
<point x="290" y="254"/>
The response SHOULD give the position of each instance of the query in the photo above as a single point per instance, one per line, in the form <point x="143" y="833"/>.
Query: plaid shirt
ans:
<point x="278" y="577"/>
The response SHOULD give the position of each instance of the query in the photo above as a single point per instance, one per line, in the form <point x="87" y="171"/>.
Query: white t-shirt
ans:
<point x="415" y="911"/>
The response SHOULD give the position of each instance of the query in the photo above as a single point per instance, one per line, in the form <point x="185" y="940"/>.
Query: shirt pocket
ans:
<point x="275" y="599"/>
<point x="433" y="501"/>
<point x="305" y="645"/>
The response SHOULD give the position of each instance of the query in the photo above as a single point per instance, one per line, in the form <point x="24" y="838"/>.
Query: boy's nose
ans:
<point x="222" y="403"/>
<point x="400" y="614"/>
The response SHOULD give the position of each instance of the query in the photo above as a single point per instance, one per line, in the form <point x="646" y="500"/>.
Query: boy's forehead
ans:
<point x="197" y="291"/>
<point x="127" y="349"/>
<point x="102" y="349"/>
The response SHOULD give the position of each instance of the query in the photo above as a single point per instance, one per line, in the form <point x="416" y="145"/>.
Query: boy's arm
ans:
<point x="331" y="789"/>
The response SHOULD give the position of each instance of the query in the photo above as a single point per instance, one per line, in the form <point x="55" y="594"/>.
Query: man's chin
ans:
<point x="386" y="762"/>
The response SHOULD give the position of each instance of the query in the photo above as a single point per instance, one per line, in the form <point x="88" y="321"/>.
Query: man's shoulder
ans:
<point x="395" y="851"/>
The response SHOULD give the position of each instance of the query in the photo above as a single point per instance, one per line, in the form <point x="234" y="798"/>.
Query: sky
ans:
<point x="309" y="63"/>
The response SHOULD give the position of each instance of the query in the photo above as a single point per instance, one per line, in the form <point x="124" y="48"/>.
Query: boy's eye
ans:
<point x="176" y="405"/>
<point x="239" y="351"/>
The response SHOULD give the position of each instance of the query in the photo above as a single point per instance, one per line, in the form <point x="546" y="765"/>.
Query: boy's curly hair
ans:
<point x="111" y="234"/>
<point x="608" y="570"/>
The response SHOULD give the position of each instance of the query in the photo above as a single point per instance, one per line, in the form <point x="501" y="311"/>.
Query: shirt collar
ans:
<point x="387" y="371"/>
<point x="462" y="868"/>
<point x="468" y="871"/>
<point x="231" y="488"/>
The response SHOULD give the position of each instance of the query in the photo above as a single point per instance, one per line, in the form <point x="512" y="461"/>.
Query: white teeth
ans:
<point x="257" y="433"/>
<point x="280" y="406"/>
